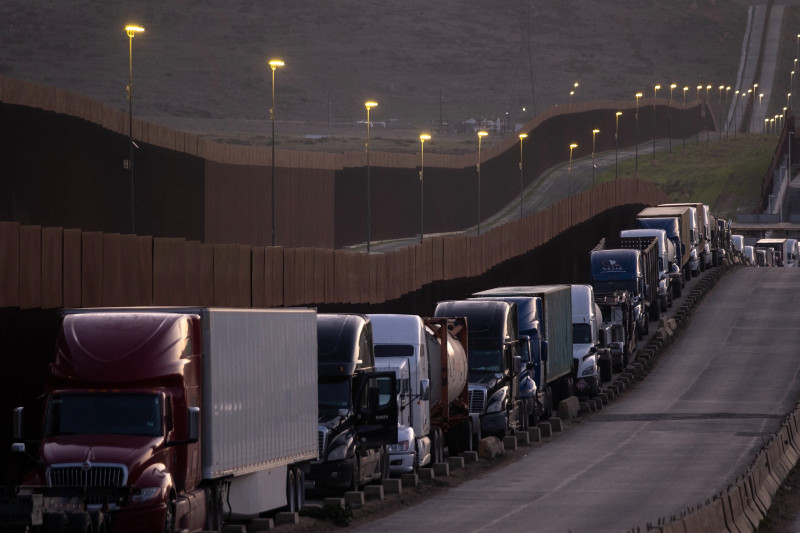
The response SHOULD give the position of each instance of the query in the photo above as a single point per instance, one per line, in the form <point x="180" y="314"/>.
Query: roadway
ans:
<point x="685" y="432"/>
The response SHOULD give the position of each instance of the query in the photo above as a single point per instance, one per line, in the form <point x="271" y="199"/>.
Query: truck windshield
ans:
<point x="581" y="334"/>
<point x="334" y="393"/>
<point x="485" y="359"/>
<point x="104" y="414"/>
<point x="607" y="287"/>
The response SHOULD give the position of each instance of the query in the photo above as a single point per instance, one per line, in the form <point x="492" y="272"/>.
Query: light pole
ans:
<point x="131" y="31"/>
<point x="481" y="135"/>
<point x="569" y="170"/>
<point x="655" y="97"/>
<point x="736" y="94"/>
<point x="636" y="158"/>
<point x="671" y="88"/>
<point x="616" y="145"/>
<point x="791" y="81"/>
<point x="727" y="122"/>
<point x="708" y="132"/>
<point x="273" y="64"/>
<point x="719" y="137"/>
<point x="422" y="138"/>
<point x="594" y="133"/>
<point x="699" y="112"/>
<point x="369" y="104"/>
<point x="788" y="101"/>
<point x="683" y="117"/>
<point x="522" y="137"/>
<point x="766" y="123"/>
<point x="755" y="92"/>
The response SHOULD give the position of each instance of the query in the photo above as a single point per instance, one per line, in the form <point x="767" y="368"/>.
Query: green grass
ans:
<point x="726" y="174"/>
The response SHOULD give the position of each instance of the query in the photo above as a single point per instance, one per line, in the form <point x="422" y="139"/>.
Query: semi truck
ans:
<point x="780" y="250"/>
<point x="534" y="391"/>
<point x="429" y="359"/>
<point x="705" y="232"/>
<point x="494" y="365"/>
<point x="556" y="328"/>
<point x="358" y="406"/>
<point x="587" y="322"/>
<point x="654" y="285"/>
<point x="619" y="331"/>
<point x="680" y="234"/>
<point x="669" y="274"/>
<point x="170" y="419"/>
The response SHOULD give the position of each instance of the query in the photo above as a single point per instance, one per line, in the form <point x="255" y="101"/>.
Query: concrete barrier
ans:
<point x="285" y="517"/>
<point x="441" y="469"/>
<point x="763" y="485"/>
<point x="410" y="480"/>
<point x="510" y="442"/>
<point x="535" y="434"/>
<point x="374" y="492"/>
<point x="710" y="517"/>
<point x="455" y="462"/>
<point x="545" y="429"/>
<point x="336" y="502"/>
<point x="427" y="473"/>
<point x="260" y="524"/>
<point x="470" y="457"/>
<point x="568" y="408"/>
<point x="393" y="486"/>
<point x="738" y="514"/>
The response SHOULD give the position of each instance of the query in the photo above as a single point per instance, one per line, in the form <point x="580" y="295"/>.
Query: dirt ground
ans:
<point x="785" y="509"/>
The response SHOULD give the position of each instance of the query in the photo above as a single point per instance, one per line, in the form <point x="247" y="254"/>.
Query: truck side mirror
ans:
<point x="424" y="390"/>
<point x="18" y="423"/>
<point x="516" y="364"/>
<point x="193" y="425"/>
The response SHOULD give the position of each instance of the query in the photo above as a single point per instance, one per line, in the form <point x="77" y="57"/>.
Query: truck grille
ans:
<point x="477" y="400"/>
<point x="323" y="441"/>
<point x="99" y="475"/>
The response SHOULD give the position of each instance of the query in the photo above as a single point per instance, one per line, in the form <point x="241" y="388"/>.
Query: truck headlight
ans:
<point x="588" y="371"/>
<point x="146" y="494"/>
<point x="338" y="453"/>
<point x="399" y="447"/>
<point x="497" y="402"/>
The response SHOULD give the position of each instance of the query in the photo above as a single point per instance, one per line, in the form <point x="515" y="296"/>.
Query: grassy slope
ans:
<point x="724" y="174"/>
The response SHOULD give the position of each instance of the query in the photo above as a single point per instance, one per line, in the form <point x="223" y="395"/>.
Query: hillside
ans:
<point x="201" y="65"/>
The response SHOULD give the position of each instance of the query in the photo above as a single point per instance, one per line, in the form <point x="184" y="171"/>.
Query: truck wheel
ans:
<point x="664" y="302"/>
<point x="80" y="523"/>
<point x="291" y="491"/>
<point x="384" y="464"/>
<point x="547" y="408"/>
<point x="300" y="482"/>
<point x="676" y="289"/>
<point x="465" y="430"/>
<point x="355" y="482"/>
<point x="605" y="370"/>
<point x="439" y="445"/>
<point x="523" y="417"/>
<point x="55" y="522"/>
<point x="477" y="436"/>
<point x="99" y="521"/>
<point x="533" y="418"/>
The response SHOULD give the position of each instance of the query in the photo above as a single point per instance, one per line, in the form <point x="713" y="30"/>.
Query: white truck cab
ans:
<point x="586" y="322"/>
<point x="399" y="343"/>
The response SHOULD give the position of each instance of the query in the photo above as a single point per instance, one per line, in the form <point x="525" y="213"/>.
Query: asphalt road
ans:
<point x="681" y="436"/>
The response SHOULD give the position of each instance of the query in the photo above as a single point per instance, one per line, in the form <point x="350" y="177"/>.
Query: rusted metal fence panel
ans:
<point x="92" y="269"/>
<point x="30" y="267"/>
<point x="72" y="283"/>
<point x="9" y="264"/>
<point x="52" y="268"/>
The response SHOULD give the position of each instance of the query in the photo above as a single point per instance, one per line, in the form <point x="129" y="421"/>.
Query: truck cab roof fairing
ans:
<point x="338" y="339"/>
<point x="122" y="347"/>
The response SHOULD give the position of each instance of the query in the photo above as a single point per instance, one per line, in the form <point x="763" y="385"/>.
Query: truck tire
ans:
<point x="676" y="289"/>
<point x="300" y="481"/>
<point x="291" y="491"/>
<point x="606" y="371"/>
<point x="523" y="418"/>
<point x="169" y="519"/>
<point x="465" y="429"/>
<point x="355" y="480"/>
<point x="439" y="449"/>
<point x="55" y="523"/>
<point x="477" y="435"/>
<point x="547" y="408"/>
<point x="80" y="523"/>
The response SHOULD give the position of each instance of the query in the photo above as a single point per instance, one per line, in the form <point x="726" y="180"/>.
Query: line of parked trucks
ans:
<point x="767" y="252"/>
<point x="184" y="419"/>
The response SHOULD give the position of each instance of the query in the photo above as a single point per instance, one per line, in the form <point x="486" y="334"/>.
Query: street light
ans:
<point x="683" y="117"/>
<point x="569" y="170"/>
<point x="422" y="138"/>
<point x="789" y="101"/>
<point x="791" y="81"/>
<point x="594" y="133"/>
<point x="274" y="64"/>
<point x="699" y="111"/>
<point x="616" y="146"/>
<point x="721" y="88"/>
<point x="727" y="122"/>
<point x="736" y="94"/>
<point x="636" y="159"/>
<point x="131" y="31"/>
<point x="655" y="96"/>
<point x="766" y="123"/>
<point x="522" y="137"/>
<point x="369" y="104"/>
<point x="708" y="133"/>
<point x="750" y="126"/>
<point x="671" y="88"/>
<point x="481" y="135"/>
